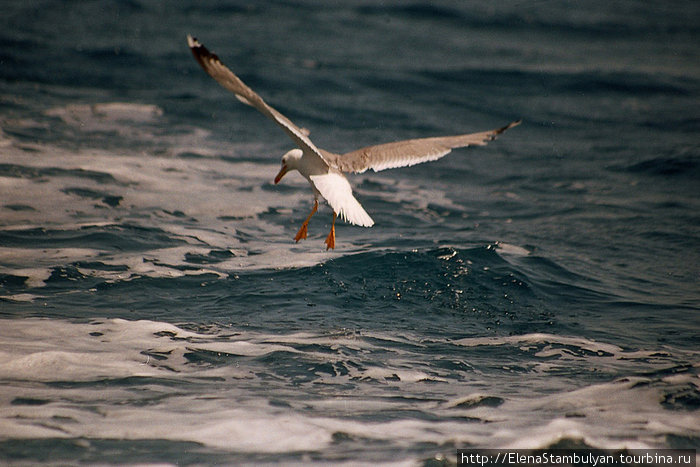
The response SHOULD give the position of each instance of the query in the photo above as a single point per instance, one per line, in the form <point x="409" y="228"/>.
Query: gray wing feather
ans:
<point x="412" y="151"/>
<point x="226" y="78"/>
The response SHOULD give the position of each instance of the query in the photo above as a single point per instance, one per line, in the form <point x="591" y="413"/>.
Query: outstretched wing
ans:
<point x="411" y="151"/>
<point x="226" y="78"/>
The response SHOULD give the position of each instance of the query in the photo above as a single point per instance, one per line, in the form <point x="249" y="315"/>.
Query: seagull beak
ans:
<point x="281" y="173"/>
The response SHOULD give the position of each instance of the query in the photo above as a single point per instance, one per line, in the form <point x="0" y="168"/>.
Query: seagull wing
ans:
<point x="226" y="78"/>
<point x="411" y="151"/>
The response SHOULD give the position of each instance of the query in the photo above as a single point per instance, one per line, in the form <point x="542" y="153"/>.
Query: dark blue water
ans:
<point x="540" y="291"/>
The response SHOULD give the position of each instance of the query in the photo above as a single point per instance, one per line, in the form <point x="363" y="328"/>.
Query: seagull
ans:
<point x="325" y="170"/>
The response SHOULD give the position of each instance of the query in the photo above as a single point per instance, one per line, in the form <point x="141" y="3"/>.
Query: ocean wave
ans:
<point x="329" y="388"/>
<point x="117" y="217"/>
<point x="669" y="166"/>
<point x="537" y="292"/>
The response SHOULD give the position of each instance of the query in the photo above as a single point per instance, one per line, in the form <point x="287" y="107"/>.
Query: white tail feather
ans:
<point x="336" y="189"/>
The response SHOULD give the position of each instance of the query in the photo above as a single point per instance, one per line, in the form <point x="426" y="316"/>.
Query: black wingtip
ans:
<point x="494" y="133"/>
<point x="193" y="42"/>
<point x="508" y="127"/>
<point x="201" y="53"/>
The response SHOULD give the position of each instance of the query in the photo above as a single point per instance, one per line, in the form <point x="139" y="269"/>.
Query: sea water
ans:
<point x="542" y="291"/>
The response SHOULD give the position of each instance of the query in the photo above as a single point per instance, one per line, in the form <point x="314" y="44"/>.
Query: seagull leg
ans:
<point x="304" y="229"/>
<point x="330" y="239"/>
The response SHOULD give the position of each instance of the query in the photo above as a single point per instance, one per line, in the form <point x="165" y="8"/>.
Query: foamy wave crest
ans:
<point x="101" y="115"/>
<point x="244" y="391"/>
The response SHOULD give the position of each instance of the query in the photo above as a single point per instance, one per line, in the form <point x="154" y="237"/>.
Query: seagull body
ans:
<point x="323" y="169"/>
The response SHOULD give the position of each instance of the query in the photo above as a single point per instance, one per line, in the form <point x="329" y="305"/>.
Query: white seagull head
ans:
<point x="290" y="161"/>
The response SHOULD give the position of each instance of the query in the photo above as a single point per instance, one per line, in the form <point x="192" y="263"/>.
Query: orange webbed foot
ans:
<point x="330" y="239"/>
<point x="304" y="229"/>
<point x="302" y="233"/>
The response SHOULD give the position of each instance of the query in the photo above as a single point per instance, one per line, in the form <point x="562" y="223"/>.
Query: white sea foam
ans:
<point x="204" y="202"/>
<point x="526" y="340"/>
<point x="112" y="112"/>
<point x="512" y="250"/>
<point x="63" y="366"/>
<point x="130" y="120"/>
<point x="599" y="414"/>
<point x="398" y="374"/>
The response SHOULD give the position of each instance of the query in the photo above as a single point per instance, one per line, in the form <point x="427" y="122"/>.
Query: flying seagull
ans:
<point x="323" y="169"/>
